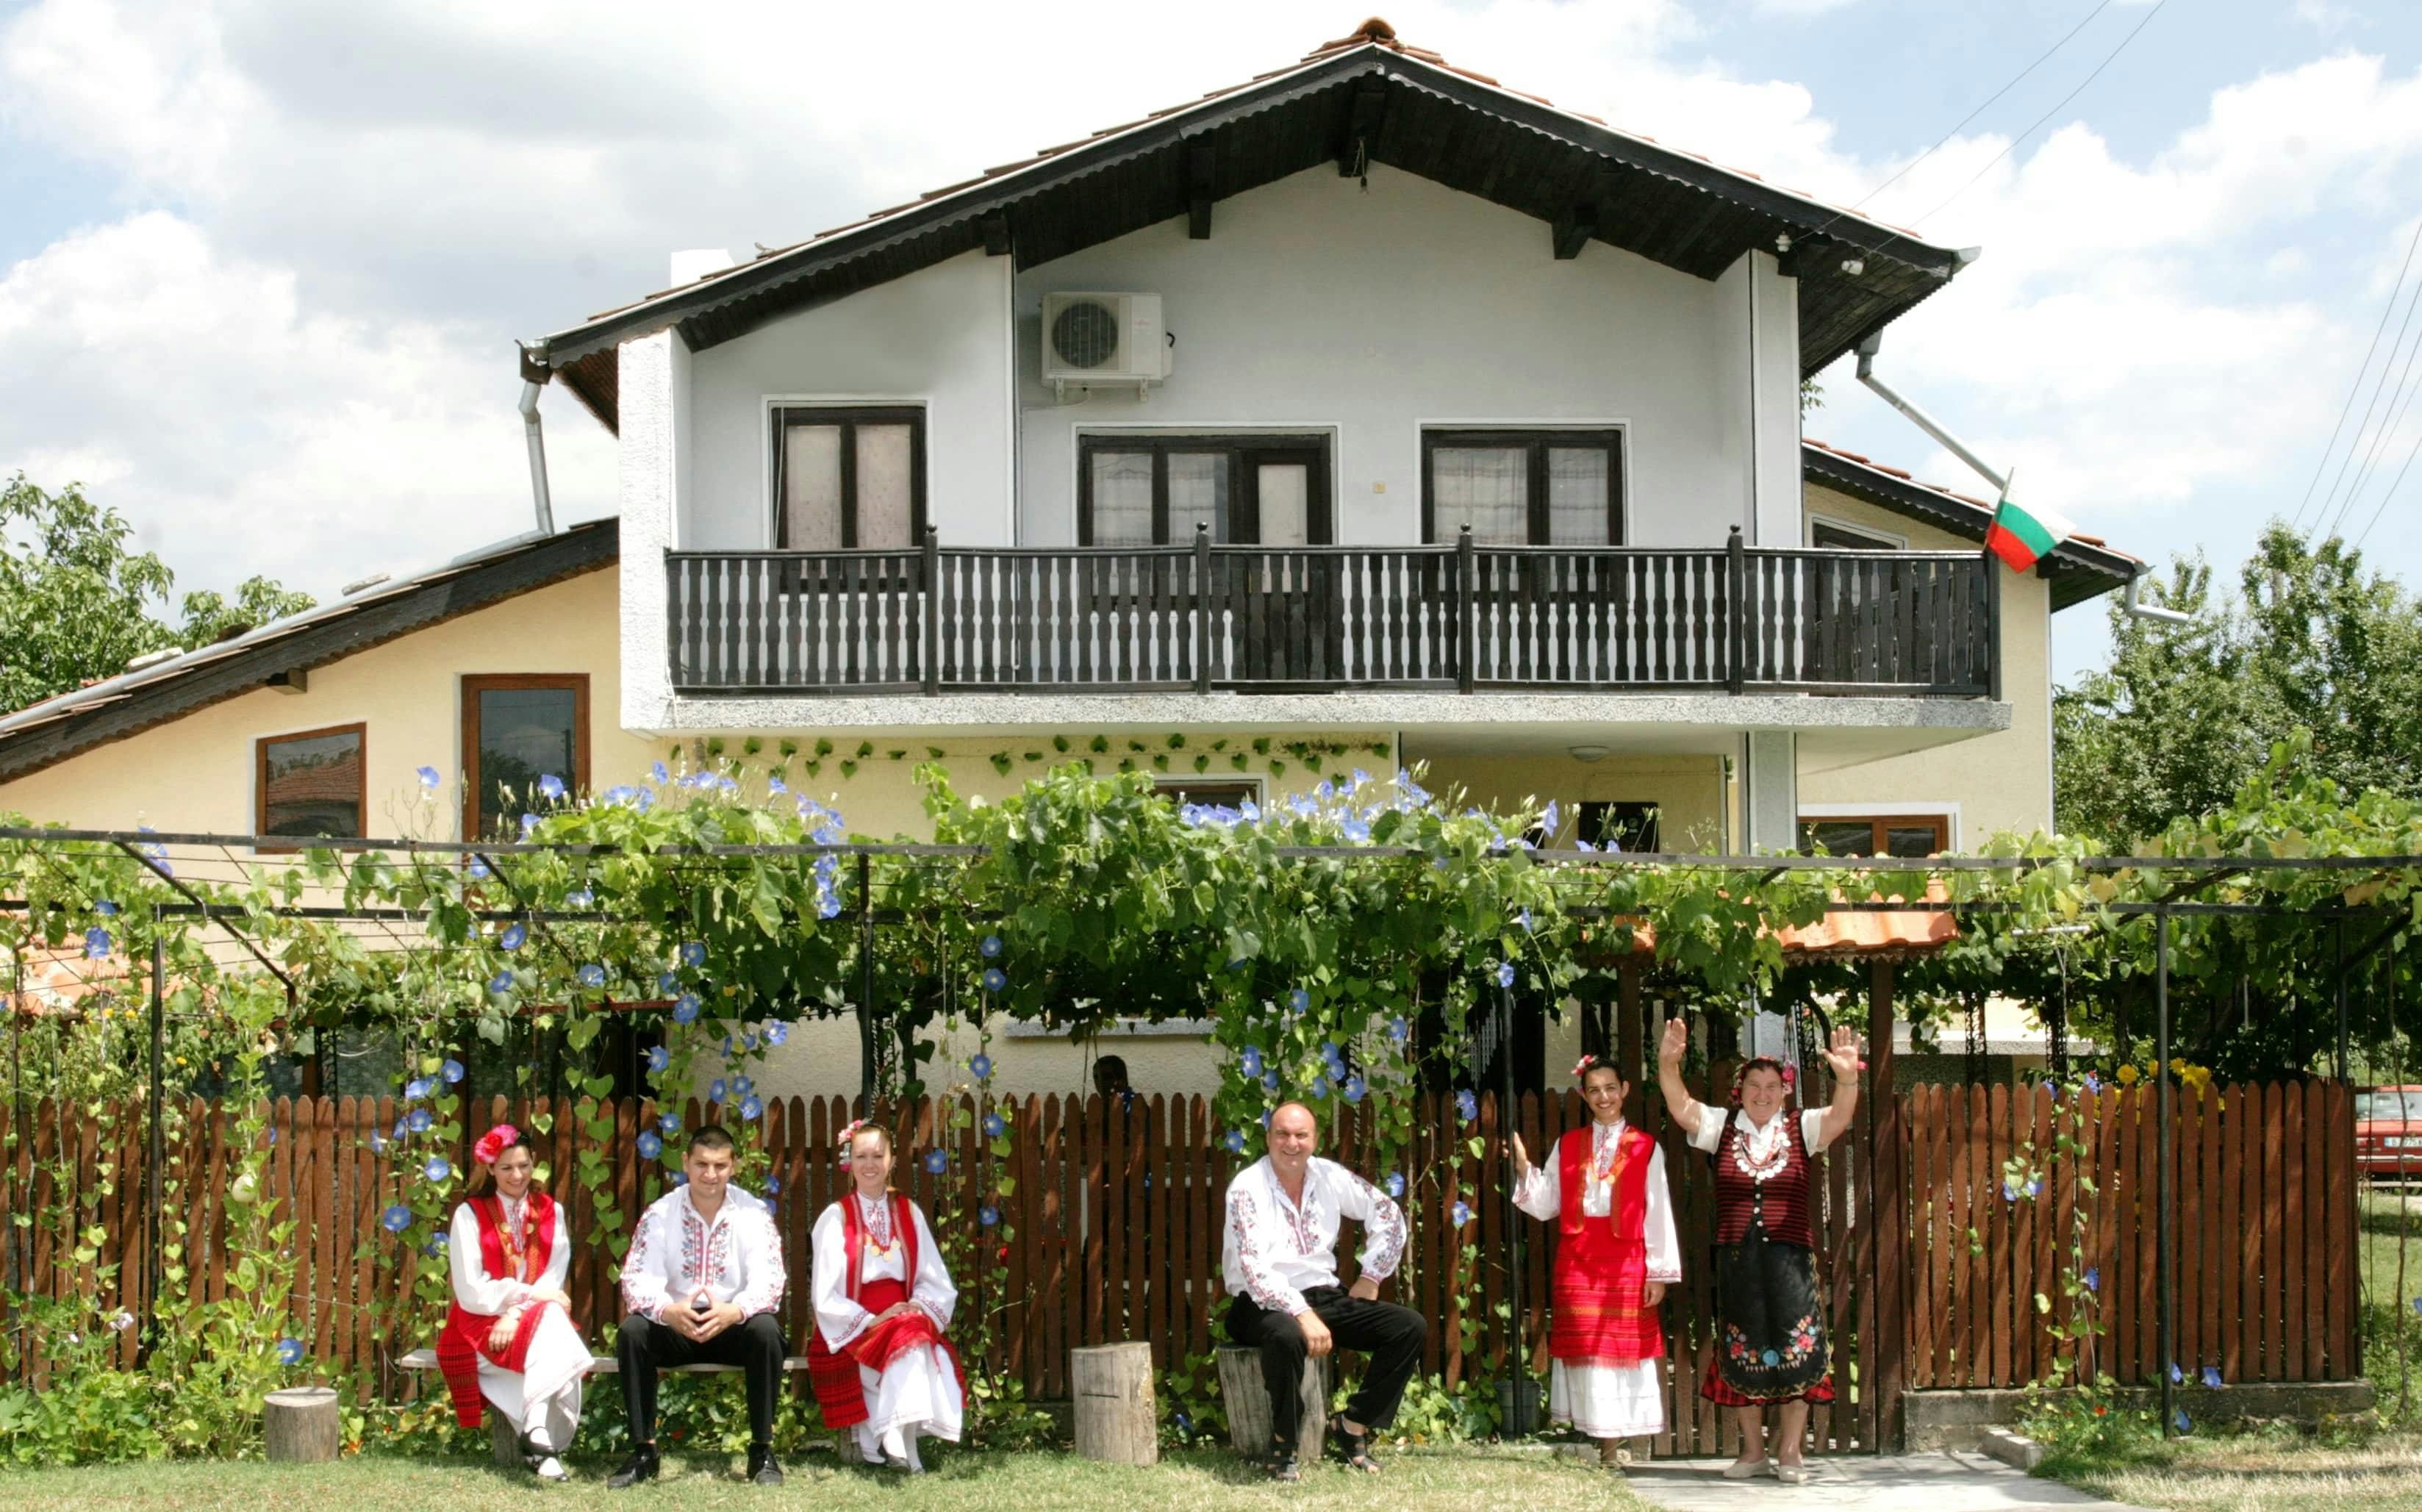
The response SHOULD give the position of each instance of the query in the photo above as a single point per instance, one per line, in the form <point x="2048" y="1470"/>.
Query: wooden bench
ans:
<point x="506" y="1445"/>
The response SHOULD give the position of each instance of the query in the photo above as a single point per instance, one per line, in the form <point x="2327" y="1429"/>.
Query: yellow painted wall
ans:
<point x="2001" y="780"/>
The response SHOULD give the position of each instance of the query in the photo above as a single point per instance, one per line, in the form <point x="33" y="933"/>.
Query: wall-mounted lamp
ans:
<point x="1587" y="753"/>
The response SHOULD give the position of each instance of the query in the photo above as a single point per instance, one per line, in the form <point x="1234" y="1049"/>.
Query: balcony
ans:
<point x="1253" y="619"/>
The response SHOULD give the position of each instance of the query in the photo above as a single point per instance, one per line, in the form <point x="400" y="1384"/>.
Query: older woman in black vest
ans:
<point x="1770" y="1339"/>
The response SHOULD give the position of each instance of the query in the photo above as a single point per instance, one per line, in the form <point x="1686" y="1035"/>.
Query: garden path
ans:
<point x="1945" y="1482"/>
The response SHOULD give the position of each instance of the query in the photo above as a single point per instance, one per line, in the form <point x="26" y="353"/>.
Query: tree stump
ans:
<point x="503" y="1442"/>
<point x="1249" y="1403"/>
<point x="300" y="1425"/>
<point x="1116" y="1419"/>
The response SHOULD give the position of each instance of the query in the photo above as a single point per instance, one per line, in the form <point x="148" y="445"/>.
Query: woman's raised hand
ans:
<point x="1521" y="1157"/>
<point x="1844" y="1055"/>
<point x="1676" y="1040"/>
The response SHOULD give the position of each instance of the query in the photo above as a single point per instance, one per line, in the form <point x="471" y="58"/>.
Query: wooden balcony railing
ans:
<point x="1457" y="617"/>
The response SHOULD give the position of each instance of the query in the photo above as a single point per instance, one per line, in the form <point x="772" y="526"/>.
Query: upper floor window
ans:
<point x="1834" y="533"/>
<point x="516" y="732"/>
<point x="1913" y="836"/>
<point x="1523" y="488"/>
<point x="847" y="478"/>
<point x="1251" y="490"/>
<point x="311" y="784"/>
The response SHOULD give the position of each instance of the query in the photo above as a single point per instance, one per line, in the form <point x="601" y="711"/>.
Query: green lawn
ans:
<point x="1191" y="1481"/>
<point x="2277" y="1471"/>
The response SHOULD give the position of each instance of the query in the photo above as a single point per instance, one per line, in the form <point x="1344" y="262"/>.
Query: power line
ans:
<point x="2388" y="426"/>
<point x="2363" y="426"/>
<point x="2049" y="113"/>
<point x="2348" y="408"/>
<point x="1955" y="131"/>
<point x="2391" y="493"/>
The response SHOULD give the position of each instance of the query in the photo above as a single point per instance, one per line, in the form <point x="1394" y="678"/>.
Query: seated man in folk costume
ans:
<point x="702" y="1284"/>
<point x="882" y="1366"/>
<point x="1280" y="1263"/>
<point x="1617" y="1252"/>
<point x="510" y="1338"/>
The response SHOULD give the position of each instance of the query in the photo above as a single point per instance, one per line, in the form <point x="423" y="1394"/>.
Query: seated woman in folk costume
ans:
<point x="509" y="1334"/>
<point x="1770" y="1334"/>
<point x="1616" y="1253"/>
<point x="882" y="1366"/>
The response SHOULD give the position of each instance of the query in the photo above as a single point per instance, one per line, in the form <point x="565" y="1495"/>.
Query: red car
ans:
<point x="2388" y="1133"/>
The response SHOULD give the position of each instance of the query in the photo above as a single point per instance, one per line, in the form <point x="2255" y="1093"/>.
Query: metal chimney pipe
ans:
<point x="535" y="373"/>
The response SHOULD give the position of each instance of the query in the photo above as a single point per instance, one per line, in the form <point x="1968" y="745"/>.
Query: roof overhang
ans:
<point x="1362" y="103"/>
<point x="2078" y="569"/>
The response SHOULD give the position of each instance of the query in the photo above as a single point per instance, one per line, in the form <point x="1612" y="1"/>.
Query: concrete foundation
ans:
<point x="1957" y="1419"/>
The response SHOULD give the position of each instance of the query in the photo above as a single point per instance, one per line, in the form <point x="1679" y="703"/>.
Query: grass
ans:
<point x="1198" y="1480"/>
<point x="2270" y="1469"/>
<point x="2389" y="1317"/>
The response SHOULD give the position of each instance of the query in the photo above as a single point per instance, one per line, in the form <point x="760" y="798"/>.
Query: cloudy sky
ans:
<point x="261" y="264"/>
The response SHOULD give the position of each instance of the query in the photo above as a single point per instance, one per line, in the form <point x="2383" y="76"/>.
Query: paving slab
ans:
<point x="1947" y="1481"/>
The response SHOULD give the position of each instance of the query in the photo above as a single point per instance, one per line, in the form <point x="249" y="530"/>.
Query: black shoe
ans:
<point x="642" y="1466"/>
<point x="1353" y="1448"/>
<point x="1283" y="1465"/>
<point x="763" y="1468"/>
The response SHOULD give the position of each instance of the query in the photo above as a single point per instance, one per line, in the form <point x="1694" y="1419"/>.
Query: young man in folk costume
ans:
<point x="1771" y="1341"/>
<point x="882" y="1366"/>
<point x="1616" y="1254"/>
<point x="1280" y="1263"/>
<point x="702" y="1284"/>
<point x="510" y="1338"/>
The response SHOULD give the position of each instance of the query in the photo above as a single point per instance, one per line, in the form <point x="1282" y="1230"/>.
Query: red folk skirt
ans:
<point x="841" y="1393"/>
<point x="1602" y="1316"/>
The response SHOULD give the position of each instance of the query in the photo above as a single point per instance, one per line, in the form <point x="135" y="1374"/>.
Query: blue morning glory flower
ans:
<point x="1524" y="920"/>
<point x="2093" y="1082"/>
<point x="1394" y="1184"/>
<point x="592" y="975"/>
<point x="990" y="946"/>
<point x="1462" y="1214"/>
<point x="405" y="1123"/>
<point x="2176" y="1374"/>
<point x="667" y="983"/>
<point x="2035" y="1187"/>
<point x="550" y="785"/>
<point x="656" y="771"/>
<point x="981" y="1067"/>
<point x="1399" y="1030"/>
<point x="1234" y="1141"/>
<point x="96" y="943"/>
<point x="2212" y="1376"/>
<point x="777" y="1033"/>
<point x="994" y="980"/>
<point x="290" y="1351"/>
<point x="751" y="1108"/>
<point x="396" y="1218"/>
<point x="670" y="1122"/>
<point x="415" y="1089"/>
<point x="773" y="1186"/>
<point x="685" y="1008"/>
<point x="438" y="1243"/>
<point x="1356" y="832"/>
<point x="680" y="1178"/>
<point x="438" y="1167"/>
<point x="995" y="1126"/>
<point x="936" y="1162"/>
<point x="714" y="1089"/>
<point x="479" y="870"/>
<point x="529" y="822"/>
<point x="1466" y="1107"/>
<point x="1270" y="1079"/>
<point x="658" y="1058"/>
<point x="1266" y="1118"/>
<point x="512" y="938"/>
<point x="741" y="1086"/>
<point x="1505" y="973"/>
<point x="2093" y="1278"/>
<point x="1300" y="1001"/>
<point x="693" y="954"/>
<point x="1320" y="1086"/>
<point x="648" y="1144"/>
<point x="2010" y="1195"/>
<point x="579" y="898"/>
<point x="1249" y="1063"/>
<point x="2186" y="1424"/>
<point x="428" y="778"/>
<point x="451" y="1071"/>
<point x="105" y="908"/>
<point x="987" y="1215"/>
<point x="1353" y="1090"/>
<point x="1552" y="820"/>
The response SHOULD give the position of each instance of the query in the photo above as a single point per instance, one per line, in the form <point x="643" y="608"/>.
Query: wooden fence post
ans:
<point x="1885" y="1356"/>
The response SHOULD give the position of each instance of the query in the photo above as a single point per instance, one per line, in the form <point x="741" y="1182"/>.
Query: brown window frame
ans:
<point x="1244" y="449"/>
<point x="1880" y="825"/>
<point x="1537" y="440"/>
<point x="850" y="417"/>
<point x="1852" y="537"/>
<point x="360" y="730"/>
<point x="474" y="683"/>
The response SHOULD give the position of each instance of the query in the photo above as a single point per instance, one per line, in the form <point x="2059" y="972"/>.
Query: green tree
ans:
<point x="2184" y="716"/>
<point x="77" y="604"/>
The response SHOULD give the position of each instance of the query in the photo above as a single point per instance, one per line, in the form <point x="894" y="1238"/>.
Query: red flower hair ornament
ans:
<point x="495" y="1142"/>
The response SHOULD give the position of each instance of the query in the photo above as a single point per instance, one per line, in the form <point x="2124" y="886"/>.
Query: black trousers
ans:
<point x="1389" y="1337"/>
<point x="643" y="1348"/>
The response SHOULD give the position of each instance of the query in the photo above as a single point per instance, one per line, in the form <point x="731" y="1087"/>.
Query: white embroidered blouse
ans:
<point x="485" y="1295"/>
<point x="930" y="1290"/>
<point x="737" y="1258"/>
<point x="1275" y="1249"/>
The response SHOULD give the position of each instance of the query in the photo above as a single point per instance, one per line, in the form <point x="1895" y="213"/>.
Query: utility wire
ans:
<point x="2019" y="79"/>
<point x="2389" y="425"/>
<point x="2049" y="113"/>
<point x="2391" y="493"/>
<point x="2364" y="427"/>
<point x="2348" y="408"/>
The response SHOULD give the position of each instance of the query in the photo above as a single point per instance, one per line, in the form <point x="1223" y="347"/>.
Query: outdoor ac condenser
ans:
<point x="1098" y="340"/>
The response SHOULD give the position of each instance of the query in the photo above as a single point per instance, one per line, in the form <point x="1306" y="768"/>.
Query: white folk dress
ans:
<point x="919" y="1393"/>
<point x="542" y="1400"/>
<point x="1609" y="1401"/>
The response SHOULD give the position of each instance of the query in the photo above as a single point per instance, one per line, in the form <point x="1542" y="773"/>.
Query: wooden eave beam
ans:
<point x="1806" y="253"/>
<point x="1571" y="230"/>
<point x="995" y="234"/>
<point x="1202" y="166"/>
<point x="1363" y="120"/>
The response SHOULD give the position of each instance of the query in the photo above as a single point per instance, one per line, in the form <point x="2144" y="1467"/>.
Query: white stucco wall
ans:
<point x="1318" y="306"/>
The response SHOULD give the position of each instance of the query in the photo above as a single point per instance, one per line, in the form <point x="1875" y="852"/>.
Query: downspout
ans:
<point x="1867" y="349"/>
<point x="535" y="372"/>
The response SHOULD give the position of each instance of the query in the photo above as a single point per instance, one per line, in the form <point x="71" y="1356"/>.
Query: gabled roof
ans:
<point x="57" y="728"/>
<point x="1367" y="100"/>
<point x="2080" y="568"/>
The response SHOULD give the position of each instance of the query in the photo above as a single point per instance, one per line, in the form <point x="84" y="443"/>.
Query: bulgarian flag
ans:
<point x="2022" y="536"/>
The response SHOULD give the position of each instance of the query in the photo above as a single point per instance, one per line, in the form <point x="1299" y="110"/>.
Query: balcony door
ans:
<point x="1251" y="490"/>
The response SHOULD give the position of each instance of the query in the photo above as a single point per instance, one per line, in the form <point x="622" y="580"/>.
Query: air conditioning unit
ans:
<point x="1098" y="340"/>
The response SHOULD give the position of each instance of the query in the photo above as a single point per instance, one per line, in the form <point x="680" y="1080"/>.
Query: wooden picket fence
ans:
<point x="1114" y="1229"/>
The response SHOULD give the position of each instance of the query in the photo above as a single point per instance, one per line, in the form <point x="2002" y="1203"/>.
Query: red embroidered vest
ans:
<point x="1779" y="1203"/>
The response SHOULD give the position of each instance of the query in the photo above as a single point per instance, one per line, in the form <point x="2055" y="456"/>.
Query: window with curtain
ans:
<point x="1913" y="836"/>
<point x="517" y="731"/>
<point x="311" y="784"/>
<point x="848" y="480"/>
<point x="1251" y="490"/>
<point x="1524" y="488"/>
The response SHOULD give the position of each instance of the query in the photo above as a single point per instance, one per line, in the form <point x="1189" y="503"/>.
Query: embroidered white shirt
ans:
<point x="1541" y="1194"/>
<point x="930" y="1289"/>
<point x="1759" y="1142"/>
<point x="675" y="1253"/>
<point x="485" y="1295"/>
<point x="1275" y="1250"/>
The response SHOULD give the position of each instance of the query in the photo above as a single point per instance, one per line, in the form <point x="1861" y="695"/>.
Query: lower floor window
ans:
<point x="1913" y="836"/>
<point x="517" y="731"/>
<point x="311" y="784"/>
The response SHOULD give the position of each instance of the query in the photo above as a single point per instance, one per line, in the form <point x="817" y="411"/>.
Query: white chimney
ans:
<point x="690" y="267"/>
